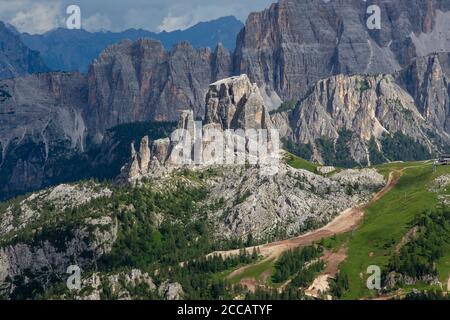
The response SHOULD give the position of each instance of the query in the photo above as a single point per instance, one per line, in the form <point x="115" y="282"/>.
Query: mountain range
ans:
<point x="361" y="115"/>
<point x="74" y="50"/>
<point x="170" y="230"/>
<point x="16" y="59"/>
<point x="349" y="90"/>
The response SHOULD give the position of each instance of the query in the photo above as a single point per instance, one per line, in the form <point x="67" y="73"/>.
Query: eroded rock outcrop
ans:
<point x="427" y="79"/>
<point x="290" y="202"/>
<point x="154" y="84"/>
<point x="285" y="50"/>
<point x="41" y="125"/>
<point x="293" y="44"/>
<point x="231" y="104"/>
<point x="16" y="59"/>
<point x="368" y="107"/>
<point x="236" y="103"/>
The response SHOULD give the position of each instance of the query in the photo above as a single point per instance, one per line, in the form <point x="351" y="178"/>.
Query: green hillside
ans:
<point x="387" y="221"/>
<point x="383" y="231"/>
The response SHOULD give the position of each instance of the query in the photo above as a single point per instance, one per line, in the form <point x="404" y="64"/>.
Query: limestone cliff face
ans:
<point x="427" y="79"/>
<point x="47" y="117"/>
<point x="368" y="106"/>
<point x="231" y="103"/>
<point x="16" y="59"/>
<point x="285" y="50"/>
<point x="136" y="81"/>
<point x="293" y="44"/>
<point x="236" y="103"/>
<point x="41" y="124"/>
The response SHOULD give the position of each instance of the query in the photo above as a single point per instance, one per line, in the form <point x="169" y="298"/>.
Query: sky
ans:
<point x="40" y="16"/>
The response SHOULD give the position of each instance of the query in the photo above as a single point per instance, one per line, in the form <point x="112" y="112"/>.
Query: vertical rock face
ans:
<point x="16" y="59"/>
<point x="41" y="124"/>
<point x="293" y="44"/>
<point x="368" y="106"/>
<point x="73" y="50"/>
<point x="236" y="103"/>
<point x="285" y="50"/>
<point x="136" y="81"/>
<point x="232" y="103"/>
<point x="135" y="165"/>
<point x="427" y="79"/>
<point x="186" y="122"/>
<point x="145" y="154"/>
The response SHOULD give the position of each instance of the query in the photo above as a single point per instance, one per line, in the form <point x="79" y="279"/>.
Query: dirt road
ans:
<point x="321" y="282"/>
<point x="347" y="221"/>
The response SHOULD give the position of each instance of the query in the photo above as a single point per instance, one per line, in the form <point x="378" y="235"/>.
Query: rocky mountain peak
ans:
<point x="231" y="103"/>
<point x="293" y="44"/>
<point x="366" y="107"/>
<point x="16" y="59"/>
<point x="236" y="103"/>
<point x="153" y="83"/>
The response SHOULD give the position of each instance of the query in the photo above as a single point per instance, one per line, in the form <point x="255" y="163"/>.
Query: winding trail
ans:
<point x="345" y="222"/>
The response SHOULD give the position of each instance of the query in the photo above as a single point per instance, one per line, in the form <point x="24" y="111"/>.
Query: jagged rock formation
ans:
<point x="427" y="79"/>
<point x="285" y="201"/>
<point x="240" y="203"/>
<point x="369" y="107"/>
<point x="279" y="49"/>
<point x="16" y="59"/>
<point x="252" y="203"/>
<point x="261" y="205"/>
<point x="231" y="104"/>
<point x="293" y="44"/>
<point x="285" y="49"/>
<point x="236" y="103"/>
<point x="154" y="84"/>
<point x="41" y="125"/>
<point x="74" y="50"/>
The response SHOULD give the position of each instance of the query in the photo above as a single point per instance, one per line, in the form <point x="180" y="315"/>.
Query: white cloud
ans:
<point x="96" y="22"/>
<point x="171" y="23"/>
<point x="185" y="14"/>
<point x="38" y="17"/>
